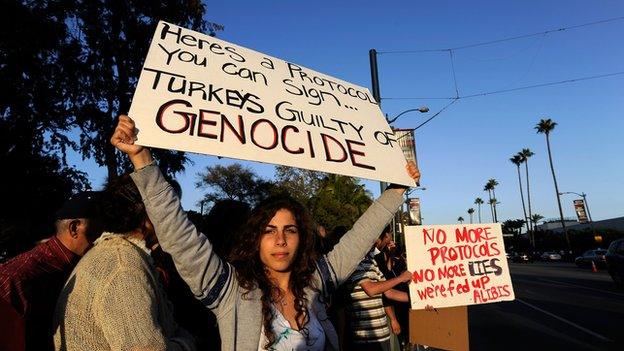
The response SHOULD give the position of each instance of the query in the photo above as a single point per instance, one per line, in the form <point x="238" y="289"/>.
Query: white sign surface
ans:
<point x="201" y="94"/>
<point x="457" y="265"/>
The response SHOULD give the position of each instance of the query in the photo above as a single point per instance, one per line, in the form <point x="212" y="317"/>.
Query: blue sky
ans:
<point x="472" y="140"/>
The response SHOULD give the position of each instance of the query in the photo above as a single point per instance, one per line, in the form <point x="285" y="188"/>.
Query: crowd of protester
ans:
<point x="128" y="270"/>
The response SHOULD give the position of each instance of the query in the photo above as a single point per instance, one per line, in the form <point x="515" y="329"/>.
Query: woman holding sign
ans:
<point x="271" y="295"/>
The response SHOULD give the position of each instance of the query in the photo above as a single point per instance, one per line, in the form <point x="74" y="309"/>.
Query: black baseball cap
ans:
<point x="81" y="205"/>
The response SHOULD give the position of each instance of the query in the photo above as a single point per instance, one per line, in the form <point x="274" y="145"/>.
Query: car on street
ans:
<point x="615" y="261"/>
<point x="596" y="256"/>
<point x="521" y="257"/>
<point x="550" y="256"/>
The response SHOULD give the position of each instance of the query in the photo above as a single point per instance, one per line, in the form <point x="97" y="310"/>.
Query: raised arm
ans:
<point x="354" y="245"/>
<point x="210" y="278"/>
<point x="372" y="288"/>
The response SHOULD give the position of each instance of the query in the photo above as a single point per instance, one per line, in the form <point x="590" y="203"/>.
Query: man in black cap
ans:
<point x="31" y="282"/>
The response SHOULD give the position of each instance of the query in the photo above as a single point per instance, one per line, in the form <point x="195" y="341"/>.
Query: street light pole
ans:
<point x="372" y="55"/>
<point x="584" y="196"/>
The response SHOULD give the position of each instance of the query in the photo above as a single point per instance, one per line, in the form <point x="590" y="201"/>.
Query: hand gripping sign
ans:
<point x="201" y="94"/>
<point x="457" y="265"/>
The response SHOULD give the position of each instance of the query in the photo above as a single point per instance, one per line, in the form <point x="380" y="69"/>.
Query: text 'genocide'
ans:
<point x="180" y="117"/>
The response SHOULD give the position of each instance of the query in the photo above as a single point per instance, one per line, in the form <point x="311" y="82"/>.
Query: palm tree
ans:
<point x="493" y="183"/>
<point x="545" y="126"/>
<point x="460" y="219"/>
<point x="493" y="203"/>
<point x="478" y="201"/>
<point x="526" y="154"/>
<point x="517" y="160"/>
<point x="470" y="212"/>
<point x="488" y="188"/>
<point x="537" y="217"/>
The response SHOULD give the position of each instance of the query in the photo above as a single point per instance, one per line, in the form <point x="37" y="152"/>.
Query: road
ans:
<point x="558" y="307"/>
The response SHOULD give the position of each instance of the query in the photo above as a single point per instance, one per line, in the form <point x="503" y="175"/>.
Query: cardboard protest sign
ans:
<point x="444" y="328"/>
<point x="201" y="94"/>
<point x="457" y="265"/>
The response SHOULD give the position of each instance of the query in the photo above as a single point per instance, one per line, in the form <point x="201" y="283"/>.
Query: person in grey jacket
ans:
<point x="272" y="295"/>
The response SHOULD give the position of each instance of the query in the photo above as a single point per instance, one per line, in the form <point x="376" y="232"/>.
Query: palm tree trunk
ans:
<point x="479" y="207"/>
<point x="491" y="205"/>
<point x="552" y="169"/>
<point x="531" y="224"/>
<point x="526" y="220"/>
<point x="494" y="206"/>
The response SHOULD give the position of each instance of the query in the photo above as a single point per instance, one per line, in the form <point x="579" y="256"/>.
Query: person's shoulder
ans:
<point x="111" y="254"/>
<point x="25" y="265"/>
<point x="362" y="269"/>
<point x="118" y="249"/>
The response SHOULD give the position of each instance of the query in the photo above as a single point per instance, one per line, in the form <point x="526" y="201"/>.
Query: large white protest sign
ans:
<point x="457" y="265"/>
<point x="201" y="94"/>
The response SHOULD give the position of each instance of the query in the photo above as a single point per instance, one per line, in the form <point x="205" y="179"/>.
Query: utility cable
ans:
<point x="496" y="41"/>
<point x="530" y="66"/>
<point x="542" y="85"/>
<point x="454" y="76"/>
<point x="454" y="100"/>
<point x="429" y="119"/>
<point x="511" y="89"/>
<point x="436" y="114"/>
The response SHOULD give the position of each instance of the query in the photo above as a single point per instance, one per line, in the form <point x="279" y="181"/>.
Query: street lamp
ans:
<point x="422" y="109"/>
<point x="409" y="191"/>
<point x="372" y="54"/>
<point x="584" y="196"/>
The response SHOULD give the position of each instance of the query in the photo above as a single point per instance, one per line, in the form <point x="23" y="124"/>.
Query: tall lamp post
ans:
<point x="584" y="196"/>
<point x="372" y="55"/>
<point x="382" y="185"/>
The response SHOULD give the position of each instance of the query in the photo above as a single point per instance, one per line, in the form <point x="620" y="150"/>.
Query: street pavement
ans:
<point x="558" y="306"/>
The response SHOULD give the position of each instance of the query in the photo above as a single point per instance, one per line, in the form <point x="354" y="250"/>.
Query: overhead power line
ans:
<point x="496" y="41"/>
<point x="458" y="97"/>
<point x="509" y="90"/>
<point x="437" y="113"/>
<point x="543" y="84"/>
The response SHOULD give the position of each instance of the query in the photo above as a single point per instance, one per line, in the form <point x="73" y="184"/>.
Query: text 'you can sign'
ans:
<point x="202" y="94"/>
<point x="457" y="265"/>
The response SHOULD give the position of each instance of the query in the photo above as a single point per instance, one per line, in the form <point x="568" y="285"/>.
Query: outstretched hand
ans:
<point x="406" y="276"/>
<point x="396" y="327"/>
<point x="430" y="308"/>
<point x="123" y="139"/>
<point x="413" y="171"/>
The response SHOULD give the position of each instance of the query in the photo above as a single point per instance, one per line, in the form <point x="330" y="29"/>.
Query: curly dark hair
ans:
<point x="122" y="207"/>
<point x="251" y="272"/>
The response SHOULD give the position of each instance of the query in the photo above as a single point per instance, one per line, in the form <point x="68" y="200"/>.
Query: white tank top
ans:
<point x="288" y="339"/>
